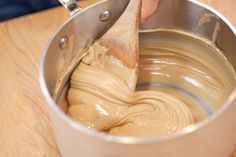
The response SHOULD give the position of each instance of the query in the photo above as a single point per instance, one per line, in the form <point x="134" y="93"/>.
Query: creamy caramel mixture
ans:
<point x="103" y="97"/>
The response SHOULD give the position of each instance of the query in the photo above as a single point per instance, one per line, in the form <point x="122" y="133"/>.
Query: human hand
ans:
<point x="148" y="8"/>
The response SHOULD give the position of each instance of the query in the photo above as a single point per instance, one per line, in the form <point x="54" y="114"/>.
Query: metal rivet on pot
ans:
<point x="105" y="16"/>
<point x="64" y="42"/>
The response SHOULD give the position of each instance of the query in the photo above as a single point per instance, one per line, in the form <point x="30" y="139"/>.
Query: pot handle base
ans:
<point x="71" y="6"/>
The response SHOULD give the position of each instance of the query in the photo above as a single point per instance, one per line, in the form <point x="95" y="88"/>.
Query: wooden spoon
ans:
<point x="122" y="39"/>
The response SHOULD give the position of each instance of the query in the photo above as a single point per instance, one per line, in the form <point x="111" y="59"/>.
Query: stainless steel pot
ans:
<point x="213" y="137"/>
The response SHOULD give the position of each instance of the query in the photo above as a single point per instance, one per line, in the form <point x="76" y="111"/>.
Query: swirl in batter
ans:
<point x="102" y="97"/>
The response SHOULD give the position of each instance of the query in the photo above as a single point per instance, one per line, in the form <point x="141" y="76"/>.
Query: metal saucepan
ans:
<point x="213" y="137"/>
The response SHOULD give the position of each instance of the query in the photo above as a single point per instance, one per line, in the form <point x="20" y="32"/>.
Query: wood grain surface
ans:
<point x="25" y="127"/>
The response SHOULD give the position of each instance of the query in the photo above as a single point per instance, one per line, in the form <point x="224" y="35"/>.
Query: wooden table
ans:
<point x="25" y="127"/>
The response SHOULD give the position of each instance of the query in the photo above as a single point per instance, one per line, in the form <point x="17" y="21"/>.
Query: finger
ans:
<point x="148" y="9"/>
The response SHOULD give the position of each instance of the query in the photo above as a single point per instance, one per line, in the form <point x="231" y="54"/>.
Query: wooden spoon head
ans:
<point x="122" y="39"/>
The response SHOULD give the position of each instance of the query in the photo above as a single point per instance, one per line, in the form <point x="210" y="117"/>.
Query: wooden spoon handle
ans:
<point x="122" y="38"/>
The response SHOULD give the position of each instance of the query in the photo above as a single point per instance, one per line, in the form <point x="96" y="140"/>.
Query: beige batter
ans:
<point x="102" y="97"/>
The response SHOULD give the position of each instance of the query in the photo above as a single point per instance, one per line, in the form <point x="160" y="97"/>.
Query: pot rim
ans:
<point x="123" y="139"/>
